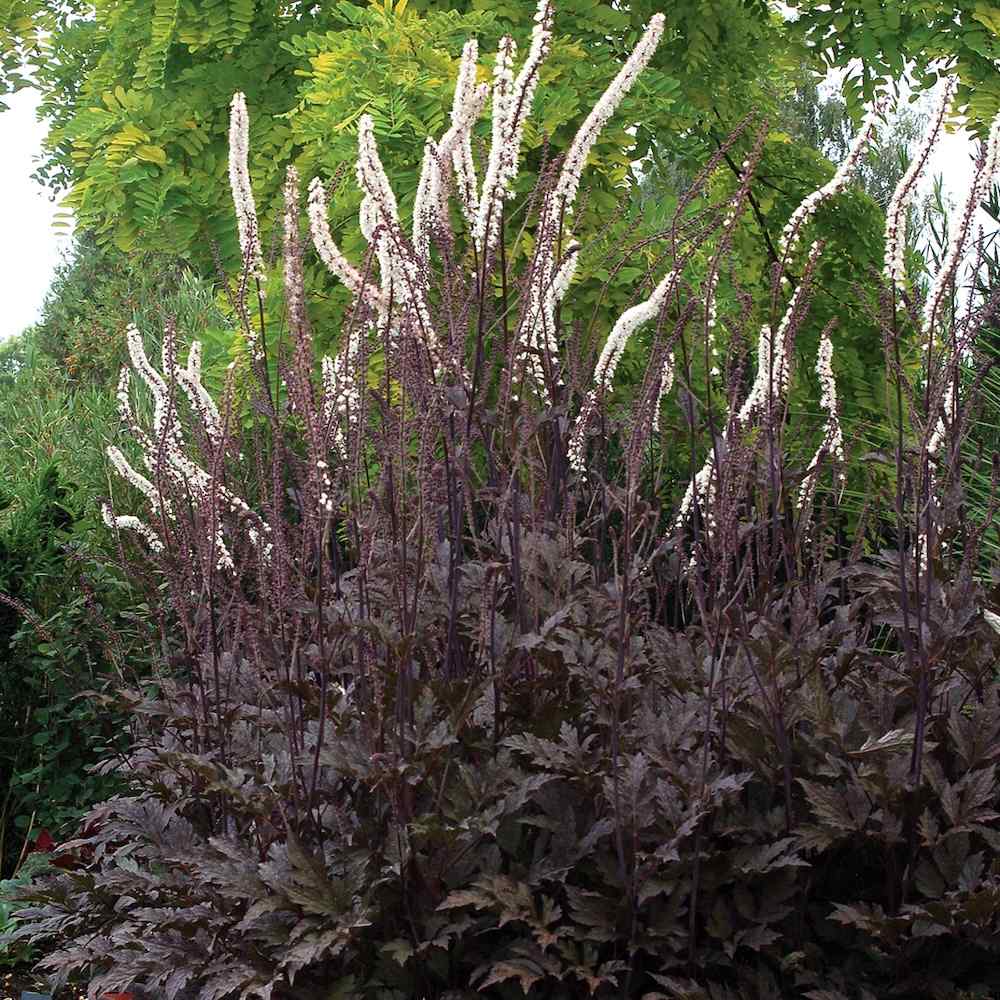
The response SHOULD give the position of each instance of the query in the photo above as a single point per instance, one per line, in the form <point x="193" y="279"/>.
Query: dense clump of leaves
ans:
<point x="758" y="830"/>
<point x="20" y="954"/>
<point x="54" y="645"/>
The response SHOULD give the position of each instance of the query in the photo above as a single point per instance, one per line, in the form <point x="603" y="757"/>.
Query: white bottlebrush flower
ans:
<point x="425" y="204"/>
<point x="564" y="193"/>
<point x="132" y="523"/>
<point x="937" y="437"/>
<point x="401" y="276"/>
<point x="163" y="451"/>
<point x="626" y="325"/>
<point x="512" y="100"/>
<point x="833" y="436"/>
<point x="792" y="232"/>
<point x="379" y="210"/>
<point x="466" y="108"/>
<point x="774" y="356"/>
<point x="770" y="385"/>
<point x="164" y="409"/>
<point x="666" y="384"/>
<point x="341" y="393"/>
<point x="137" y="479"/>
<point x="539" y="322"/>
<point x="239" y="181"/>
<point x="189" y="379"/>
<point x="547" y="286"/>
<point x="607" y="363"/>
<point x="499" y="164"/>
<point x="701" y="486"/>
<point x="371" y="173"/>
<point x="895" y="216"/>
<point x="329" y="252"/>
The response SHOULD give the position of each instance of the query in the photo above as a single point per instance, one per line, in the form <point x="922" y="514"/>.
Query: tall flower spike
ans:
<point x="380" y="226"/>
<point x="792" y="232"/>
<point x="239" y="181"/>
<point x="189" y="379"/>
<point x="329" y="252"/>
<point x="666" y="384"/>
<point x="560" y="202"/>
<point x="626" y="325"/>
<point x="895" y="216"/>
<point x="425" y="202"/>
<point x="773" y="355"/>
<point x="499" y="165"/>
<point x="833" y="437"/>
<point x="981" y="181"/>
<point x="131" y="523"/>
<point x="540" y="317"/>
<point x="512" y="100"/>
<point x="371" y="174"/>
<point x="607" y="363"/>
<point x="770" y="383"/>
<point x="164" y="455"/>
<point x="379" y="211"/>
<point x="568" y="183"/>
<point x="164" y="415"/>
<point x="467" y="95"/>
<point x="138" y="480"/>
<point x="294" y="301"/>
<point x="341" y="395"/>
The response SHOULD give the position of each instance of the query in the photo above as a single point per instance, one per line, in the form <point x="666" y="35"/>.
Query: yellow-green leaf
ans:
<point x="152" y="154"/>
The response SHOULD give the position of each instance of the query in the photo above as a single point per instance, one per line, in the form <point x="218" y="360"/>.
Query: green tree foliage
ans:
<point x="964" y="35"/>
<point x="138" y="94"/>
<point x="20" y="41"/>
<point x="100" y="291"/>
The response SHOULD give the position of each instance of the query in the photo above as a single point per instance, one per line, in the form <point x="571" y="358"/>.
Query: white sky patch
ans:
<point x="30" y="248"/>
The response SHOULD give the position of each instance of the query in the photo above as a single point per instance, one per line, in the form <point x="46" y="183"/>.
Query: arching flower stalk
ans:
<point x="246" y="209"/>
<point x="554" y="225"/>
<point x="666" y="384"/>
<point x="341" y="392"/>
<point x="941" y="356"/>
<point x="540" y="316"/>
<point x="402" y="276"/>
<point x="129" y="522"/>
<point x="302" y="392"/>
<point x="902" y="195"/>
<point x="466" y="109"/>
<point x="163" y="451"/>
<point x="792" y="232"/>
<point x="425" y="210"/>
<point x="512" y="100"/>
<point x="986" y="169"/>
<point x="330" y="253"/>
<point x="568" y="184"/>
<point x="604" y="372"/>
<point x="770" y="385"/>
<point x="832" y="444"/>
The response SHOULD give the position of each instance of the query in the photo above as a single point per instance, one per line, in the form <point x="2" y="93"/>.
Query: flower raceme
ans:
<point x="164" y="452"/>
<point x="895" y="215"/>
<point x="795" y="226"/>
<point x="394" y="298"/>
<point x="398" y="302"/>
